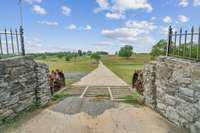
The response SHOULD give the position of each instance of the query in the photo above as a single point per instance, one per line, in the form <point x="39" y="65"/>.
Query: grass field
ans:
<point x="82" y="64"/>
<point x="124" y="67"/>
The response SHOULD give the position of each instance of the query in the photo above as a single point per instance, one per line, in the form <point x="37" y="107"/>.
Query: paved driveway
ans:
<point x="75" y="115"/>
<point x="92" y="115"/>
<point x="102" y="76"/>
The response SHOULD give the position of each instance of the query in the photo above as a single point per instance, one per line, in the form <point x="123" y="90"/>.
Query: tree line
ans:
<point x="69" y="55"/>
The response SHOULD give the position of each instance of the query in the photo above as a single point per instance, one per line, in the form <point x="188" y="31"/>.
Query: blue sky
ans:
<point x="61" y="25"/>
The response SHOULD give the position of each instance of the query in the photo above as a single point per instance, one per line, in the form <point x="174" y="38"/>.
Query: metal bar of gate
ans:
<point x="11" y="35"/>
<point x="1" y="47"/>
<point x="198" y="47"/>
<point x="168" y="44"/>
<point x="184" y="53"/>
<point x="191" y="44"/>
<point x="22" y="40"/>
<point x="180" y="39"/>
<point x="175" y="39"/>
<point x="17" y="41"/>
<point x="6" y="37"/>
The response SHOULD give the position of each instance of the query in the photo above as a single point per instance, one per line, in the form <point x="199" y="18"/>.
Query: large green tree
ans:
<point x="126" y="51"/>
<point x="159" y="49"/>
<point x="95" y="56"/>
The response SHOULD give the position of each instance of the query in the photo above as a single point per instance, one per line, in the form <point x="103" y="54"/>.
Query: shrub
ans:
<point x="44" y="56"/>
<point x="126" y="51"/>
<point x="67" y="58"/>
<point x="159" y="49"/>
<point x="95" y="56"/>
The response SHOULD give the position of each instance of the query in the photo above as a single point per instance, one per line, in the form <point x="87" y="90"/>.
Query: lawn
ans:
<point x="125" y="67"/>
<point x="82" y="64"/>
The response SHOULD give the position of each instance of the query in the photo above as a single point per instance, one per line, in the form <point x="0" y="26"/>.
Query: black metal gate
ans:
<point x="184" y="44"/>
<point x="12" y="42"/>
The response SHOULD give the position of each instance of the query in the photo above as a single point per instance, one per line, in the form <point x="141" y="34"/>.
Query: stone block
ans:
<point x="6" y="114"/>
<point x="186" y="94"/>
<point x="195" y="128"/>
<point x="187" y="111"/>
<point x="172" y="115"/>
<point x="170" y="100"/>
<point x="161" y="106"/>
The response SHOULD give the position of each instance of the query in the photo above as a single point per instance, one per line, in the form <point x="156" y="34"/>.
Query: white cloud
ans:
<point x="196" y="2"/>
<point x="183" y="19"/>
<point x="87" y="28"/>
<point x="49" y="23"/>
<point x="117" y="8"/>
<point x="153" y="18"/>
<point x="66" y="10"/>
<point x="167" y="19"/>
<point x="115" y="15"/>
<point x="33" y="1"/>
<point x="143" y="26"/>
<point x="35" y="45"/>
<point x="132" y="5"/>
<point x="164" y="30"/>
<point x="102" y="43"/>
<point x="72" y="27"/>
<point x="183" y="3"/>
<point x="133" y="32"/>
<point x="103" y="5"/>
<point x="39" y="10"/>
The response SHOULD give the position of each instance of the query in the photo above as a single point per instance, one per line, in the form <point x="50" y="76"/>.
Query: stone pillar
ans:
<point x="43" y="94"/>
<point x="149" y="84"/>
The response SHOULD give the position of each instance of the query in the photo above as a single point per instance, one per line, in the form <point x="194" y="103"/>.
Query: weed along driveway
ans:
<point x="95" y="109"/>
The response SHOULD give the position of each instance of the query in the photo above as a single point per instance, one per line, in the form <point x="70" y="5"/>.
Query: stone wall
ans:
<point x="172" y="87"/>
<point x="23" y="83"/>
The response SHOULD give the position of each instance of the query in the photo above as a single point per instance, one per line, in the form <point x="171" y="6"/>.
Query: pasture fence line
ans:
<point x="184" y="44"/>
<point x="12" y="42"/>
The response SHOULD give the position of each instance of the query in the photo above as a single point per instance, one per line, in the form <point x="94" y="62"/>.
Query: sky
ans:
<point x="97" y="25"/>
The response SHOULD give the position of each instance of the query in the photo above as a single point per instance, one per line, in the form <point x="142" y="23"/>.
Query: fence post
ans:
<point x="174" y="46"/>
<point x="17" y="41"/>
<point x="6" y="37"/>
<point x="12" y="43"/>
<point x="169" y="41"/>
<point x="198" y="47"/>
<point x="185" y="44"/>
<point x="180" y="39"/>
<point x="191" y="43"/>
<point x="22" y="40"/>
<point x="1" y="46"/>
